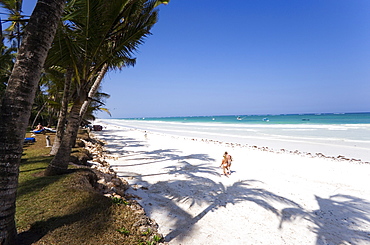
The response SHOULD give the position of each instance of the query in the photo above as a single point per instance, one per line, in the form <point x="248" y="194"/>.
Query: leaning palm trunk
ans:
<point x="59" y="164"/>
<point x="93" y="90"/>
<point x="87" y="102"/>
<point x="38" y="113"/>
<point x="16" y="106"/>
<point x="63" y="113"/>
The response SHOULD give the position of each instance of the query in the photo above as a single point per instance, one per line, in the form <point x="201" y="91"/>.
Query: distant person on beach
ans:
<point x="224" y="166"/>
<point x="39" y="127"/>
<point x="229" y="159"/>
<point x="226" y="163"/>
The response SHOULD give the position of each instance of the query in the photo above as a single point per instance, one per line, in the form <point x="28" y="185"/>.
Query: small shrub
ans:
<point x="124" y="231"/>
<point x="156" y="238"/>
<point x="145" y="233"/>
<point x="117" y="200"/>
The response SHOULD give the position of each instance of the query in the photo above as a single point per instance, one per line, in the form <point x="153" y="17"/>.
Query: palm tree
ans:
<point x="93" y="90"/>
<point x="7" y="55"/>
<point x="14" y="31"/>
<point x="96" y="104"/>
<point x="121" y="64"/>
<point x="62" y="117"/>
<point x="98" y="34"/>
<point x="53" y="82"/>
<point x="16" y="106"/>
<point x="7" y="58"/>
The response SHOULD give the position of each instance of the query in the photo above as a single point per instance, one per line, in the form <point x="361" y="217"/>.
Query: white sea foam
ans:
<point x="344" y="139"/>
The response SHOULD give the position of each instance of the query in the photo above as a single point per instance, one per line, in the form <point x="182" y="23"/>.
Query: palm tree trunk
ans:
<point x="63" y="113"/>
<point x="16" y="106"/>
<point x="93" y="90"/>
<point x="91" y="94"/>
<point x="1" y="31"/>
<point x="59" y="164"/>
<point x="38" y="113"/>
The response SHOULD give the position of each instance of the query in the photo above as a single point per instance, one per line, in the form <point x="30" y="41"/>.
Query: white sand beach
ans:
<point x="270" y="197"/>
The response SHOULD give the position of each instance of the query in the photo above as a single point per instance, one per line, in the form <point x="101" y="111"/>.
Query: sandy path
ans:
<point x="270" y="198"/>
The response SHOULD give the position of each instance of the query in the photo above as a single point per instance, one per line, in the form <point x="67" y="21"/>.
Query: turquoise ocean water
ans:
<point x="331" y="134"/>
<point x="342" y="118"/>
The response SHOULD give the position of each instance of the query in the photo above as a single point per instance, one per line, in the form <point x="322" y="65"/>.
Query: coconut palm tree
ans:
<point x="16" y="106"/>
<point x="17" y="21"/>
<point x="62" y="117"/>
<point x="122" y="62"/>
<point x="13" y="34"/>
<point x="96" y="104"/>
<point x="48" y="98"/>
<point x="7" y="58"/>
<point x="98" y="35"/>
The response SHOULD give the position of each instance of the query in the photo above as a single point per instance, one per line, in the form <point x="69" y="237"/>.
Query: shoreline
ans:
<point x="286" y="138"/>
<point x="272" y="197"/>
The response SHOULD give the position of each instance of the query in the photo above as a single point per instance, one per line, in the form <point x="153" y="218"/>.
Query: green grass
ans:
<point x="66" y="209"/>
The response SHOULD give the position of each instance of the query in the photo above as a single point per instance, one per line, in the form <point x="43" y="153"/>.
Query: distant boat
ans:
<point x="305" y="119"/>
<point x="240" y="118"/>
<point x="265" y="119"/>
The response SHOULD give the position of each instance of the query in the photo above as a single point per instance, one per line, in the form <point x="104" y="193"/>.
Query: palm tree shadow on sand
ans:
<point x="189" y="183"/>
<point x="198" y="188"/>
<point x="339" y="219"/>
<point x="118" y="143"/>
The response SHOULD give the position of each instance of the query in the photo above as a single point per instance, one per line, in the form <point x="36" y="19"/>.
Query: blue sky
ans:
<point x="213" y="57"/>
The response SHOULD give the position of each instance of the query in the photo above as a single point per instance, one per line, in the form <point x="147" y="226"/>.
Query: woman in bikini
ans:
<point x="224" y="166"/>
<point x="226" y="163"/>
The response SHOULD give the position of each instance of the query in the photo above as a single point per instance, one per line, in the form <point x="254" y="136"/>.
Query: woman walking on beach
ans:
<point x="226" y="163"/>
<point x="224" y="166"/>
<point x="229" y="159"/>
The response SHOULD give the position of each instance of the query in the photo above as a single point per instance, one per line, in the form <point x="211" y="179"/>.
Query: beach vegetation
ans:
<point x="7" y="58"/>
<point x="66" y="209"/>
<point x="122" y="27"/>
<point x="16" y="104"/>
<point x="89" y="49"/>
<point x="147" y="232"/>
<point x="16" y="20"/>
<point x="117" y="200"/>
<point x="123" y="230"/>
<point x="157" y="238"/>
<point x="147" y="243"/>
